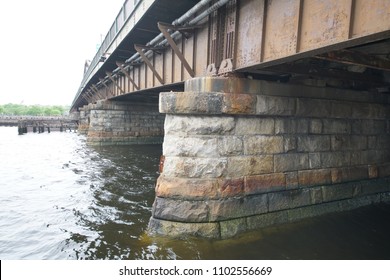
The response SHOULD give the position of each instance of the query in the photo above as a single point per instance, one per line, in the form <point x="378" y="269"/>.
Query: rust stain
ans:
<point x="161" y="165"/>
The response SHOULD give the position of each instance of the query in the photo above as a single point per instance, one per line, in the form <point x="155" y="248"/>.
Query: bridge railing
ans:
<point x="123" y="15"/>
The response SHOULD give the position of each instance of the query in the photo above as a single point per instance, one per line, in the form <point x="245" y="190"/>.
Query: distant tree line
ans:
<point x="33" y="110"/>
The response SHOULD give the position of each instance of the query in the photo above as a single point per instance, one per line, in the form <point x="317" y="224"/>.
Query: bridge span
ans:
<point x="269" y="111"/>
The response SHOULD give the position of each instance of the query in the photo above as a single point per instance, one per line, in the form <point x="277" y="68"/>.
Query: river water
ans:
<point x="62" y="199"/>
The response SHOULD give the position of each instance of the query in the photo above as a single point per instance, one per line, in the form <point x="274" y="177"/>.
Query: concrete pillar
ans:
<point x="120" y="123"/>
<point x="243" y="154"/>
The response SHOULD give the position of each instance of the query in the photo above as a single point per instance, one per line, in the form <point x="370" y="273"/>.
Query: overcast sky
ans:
<point x="44" y="44"/>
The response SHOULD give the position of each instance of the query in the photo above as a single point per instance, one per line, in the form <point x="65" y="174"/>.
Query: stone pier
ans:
<point x="243" y="154"/>
<point x="120" y="123"/>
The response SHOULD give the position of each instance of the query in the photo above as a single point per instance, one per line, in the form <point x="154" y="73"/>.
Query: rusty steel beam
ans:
<point x="115" y="82"/>
<point x="268" y="37"/>
<point x="250" y="36"/>
<point x="101" y="94"/>
<point x="123" y="70"/>
<point x="164" y="30"/>
<point x="357" y="58"/>
<point x="96" y="92"/>
<point x="326" y="73"/>
<point x="139" y="48"/>
<point x="107" y="87"/>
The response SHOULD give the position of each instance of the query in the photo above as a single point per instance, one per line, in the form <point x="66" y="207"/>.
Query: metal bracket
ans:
<point x="184" y="30"/>
<point x="123" y="70"/>
<point x="85" y="98"/>
<point x="154" y="49"/>
<point x="108" y="89"/>
<point x="211" y="70"/>
<point x="93" y="97"/>
<point x="109" y="75"/>
<point x="96" y="90"/>
<point x="89" y="94"/>
<point x="164" y="30"/>
<point x="139" y="48"/>
<point x="226" y="66"/>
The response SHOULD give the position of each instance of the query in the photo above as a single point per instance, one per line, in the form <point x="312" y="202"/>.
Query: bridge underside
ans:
<point x="269" y="111"/>
<point x="326" y="43"/>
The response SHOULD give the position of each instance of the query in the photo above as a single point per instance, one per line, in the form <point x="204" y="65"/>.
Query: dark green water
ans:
<point x="61" y="199"/>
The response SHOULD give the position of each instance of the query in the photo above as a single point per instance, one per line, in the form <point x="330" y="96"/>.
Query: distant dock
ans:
<point x="39" y="124"/>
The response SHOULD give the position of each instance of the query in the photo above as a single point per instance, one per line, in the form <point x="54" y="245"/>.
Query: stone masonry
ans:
<point x="243" y="154"/>
<point x="84" y="119"/>
<point x="120" y="123"/>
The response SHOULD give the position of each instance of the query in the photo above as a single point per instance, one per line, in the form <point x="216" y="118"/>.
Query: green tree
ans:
<point x="33" y="110"/>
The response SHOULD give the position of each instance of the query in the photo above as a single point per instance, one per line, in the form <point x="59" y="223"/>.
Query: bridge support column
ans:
<point x="84" y="119"/>
<point x="120" y="123"/>
<point x="243" y="154"/>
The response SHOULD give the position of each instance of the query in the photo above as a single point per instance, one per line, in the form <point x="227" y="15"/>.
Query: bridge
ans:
<point x="269" y="111"/>
<point x="39" y="123"/>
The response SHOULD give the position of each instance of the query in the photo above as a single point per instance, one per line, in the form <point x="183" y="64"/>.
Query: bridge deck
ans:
<point x="327" y="42"/>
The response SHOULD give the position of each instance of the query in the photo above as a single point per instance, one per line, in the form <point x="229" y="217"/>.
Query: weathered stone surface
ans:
<point x="265" y="183"/>
<point x="313" y="143"/>
<point x="230" y="208"/>
<point x="348" y="142"/>
<point x="232" y="227"/>
<point x="314" y="160"/>
<point x="230" y="146"/>
<point x="337" y="192"/>
<point x="384" y="170"/>
<point x="385" y="197"/>
<point x="290" y="144"/>
<point x="313" y="107"/>
<point x="379" y="142"/>
<point x="378" y="186"/>
<point x="314" y="177"/>
<point x="249" y="165"/>
<point x="372" y="171"/>
<point x="266" y="220"/>
<point x="192" y="167"/>
<point x="199" y="188"/>
<point x="366" y="157"/>
<point x="230" y="187"/>
<point x="341" y="109"/>
<point x="239" y="103"/>
<point x="262" y="145"/>
<point x="186" y="188"/>
<point x="346" y="174"/>
<point x="316" y="195"/>
<point x="291" y="162"/>
<point x="292" y="180"/>
<point x="198" y="125"/>
<point x="111" y="123"/>
<point x="315" y="126"/>
<point x="258" y="126"/>
<point x="190" y="103"/>
<point x="180" y="210"/>
<point x="336" y="126"/>
<point x="226" y="209"/>
<point x="177" y="229"/>
<point x="373" y="127"/>
<point x="288" y="199"/>
<point x="278" y="201"/>
<point x="291" y="126"/>
<point x="190" y="146"/>
<point x="369" y="111"/>
<point x="335" y="159"/>
<point x="275" y="105"/>
<point x="289" y="152"/>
